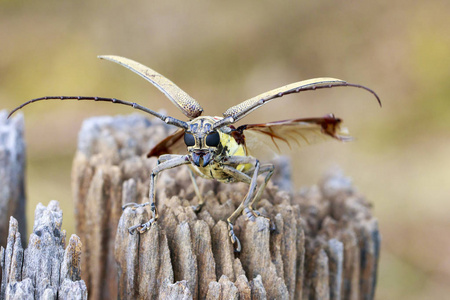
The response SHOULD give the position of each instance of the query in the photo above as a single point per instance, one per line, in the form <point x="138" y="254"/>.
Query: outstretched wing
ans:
<point x="173" y="144"/>
<point x="266" y="139"/>
<point x="239" y="111"/>
<point x="188" y="105"/>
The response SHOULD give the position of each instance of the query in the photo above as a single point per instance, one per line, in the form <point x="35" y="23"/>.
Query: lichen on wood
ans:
<point x="320" y="243"/>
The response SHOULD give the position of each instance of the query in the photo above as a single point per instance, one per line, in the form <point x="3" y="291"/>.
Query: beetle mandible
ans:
<point x="216" y="149"/>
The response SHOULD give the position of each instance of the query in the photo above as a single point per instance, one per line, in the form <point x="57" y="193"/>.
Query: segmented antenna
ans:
<point x="166" y="119"/>
<point x="343" y="84"/>
<point x="232" y="118"/>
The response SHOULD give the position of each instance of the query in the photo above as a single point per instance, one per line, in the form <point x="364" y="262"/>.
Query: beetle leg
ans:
<point x="174" y="161"/>
<point x="240" y="176"/>
<point x="247" y="207"/>
<point x="233" y="237"/>
<point x="201" y="201"/>
<point x="265" y="168"/>
<point x="161" y="159"/>
<point x="166" y="157"/>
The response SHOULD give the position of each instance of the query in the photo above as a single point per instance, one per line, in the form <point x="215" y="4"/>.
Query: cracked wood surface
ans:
<point x="325" y="244"/>
<point x="44" y="270"/>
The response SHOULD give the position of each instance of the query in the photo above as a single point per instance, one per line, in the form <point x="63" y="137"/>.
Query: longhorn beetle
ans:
<point x="218" y="150"/>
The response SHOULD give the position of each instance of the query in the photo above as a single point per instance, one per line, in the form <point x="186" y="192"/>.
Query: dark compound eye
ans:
<point x="213" y="139"/>
<point x="189" y="139"/>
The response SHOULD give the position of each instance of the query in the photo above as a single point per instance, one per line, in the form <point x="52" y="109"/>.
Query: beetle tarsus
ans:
<point x="234" y="238"/>
<point x="141" y="228"/>
<point x="197" y="208"/>
<point x="258" y="214"/>
<point x="251" y="214"/>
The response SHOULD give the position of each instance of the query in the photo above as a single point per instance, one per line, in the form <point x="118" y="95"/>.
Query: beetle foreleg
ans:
<point x="166" y="157"/>
<point x="168" y="163"/>
<point x="161" y="159"/>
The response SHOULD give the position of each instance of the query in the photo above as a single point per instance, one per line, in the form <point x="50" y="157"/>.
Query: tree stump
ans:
<point x="320" y="243"/>
<point x="12" y="171"/>
<point x="44" y="270"/>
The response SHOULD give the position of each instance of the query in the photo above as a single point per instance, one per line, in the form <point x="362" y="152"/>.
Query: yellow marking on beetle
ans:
<point x="234" y="149"/>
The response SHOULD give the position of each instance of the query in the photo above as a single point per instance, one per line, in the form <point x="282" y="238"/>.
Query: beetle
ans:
<point x="215" y="148"/>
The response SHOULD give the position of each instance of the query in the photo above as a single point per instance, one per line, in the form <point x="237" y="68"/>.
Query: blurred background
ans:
<point x="224" y="52"/>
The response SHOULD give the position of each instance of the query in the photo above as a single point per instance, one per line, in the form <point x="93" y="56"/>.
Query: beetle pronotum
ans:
<point x="216" y="149"/>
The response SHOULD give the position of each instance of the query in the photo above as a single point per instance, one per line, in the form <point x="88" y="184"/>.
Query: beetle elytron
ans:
<point x="218" y="150"/>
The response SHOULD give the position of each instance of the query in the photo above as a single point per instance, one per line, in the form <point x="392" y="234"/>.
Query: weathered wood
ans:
<point x="12" y="170"/>
<point x="110" y="152"/>
<point x="325" y="244"/>
<point x="44" y="270"/>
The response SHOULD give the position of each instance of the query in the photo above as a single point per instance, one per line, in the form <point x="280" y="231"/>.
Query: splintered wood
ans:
<point x="12" y="172"/>
<point x="44" y="270"/>
<point x="321" y="243"/>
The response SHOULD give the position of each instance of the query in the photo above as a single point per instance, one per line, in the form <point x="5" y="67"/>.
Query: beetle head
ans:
<point x="202" y="141"/>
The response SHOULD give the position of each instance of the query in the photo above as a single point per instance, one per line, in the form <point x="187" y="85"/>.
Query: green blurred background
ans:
<point x="224" y="52"/>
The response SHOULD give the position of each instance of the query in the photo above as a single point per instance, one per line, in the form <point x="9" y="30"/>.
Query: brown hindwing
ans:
<point x="172" y="144"/>
<point x="289" y="134"/>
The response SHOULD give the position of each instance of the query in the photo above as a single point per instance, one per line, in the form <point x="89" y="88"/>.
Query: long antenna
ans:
<point x="166" y="119"/>
<point x="343" y="84"/>
<point x="237" y="112"/>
